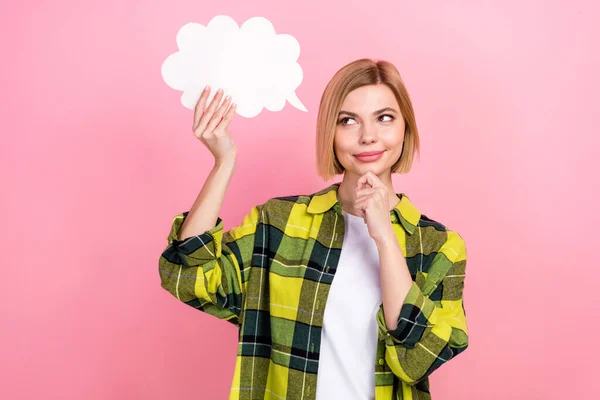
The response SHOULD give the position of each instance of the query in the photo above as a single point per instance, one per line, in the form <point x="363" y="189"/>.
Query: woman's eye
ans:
<point x="344" y="121"/>
<point x="389" y="116"/>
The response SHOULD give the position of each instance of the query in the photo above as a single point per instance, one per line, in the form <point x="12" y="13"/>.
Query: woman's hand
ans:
<point x="211" y="125"/>
<point x="373" y="203"/>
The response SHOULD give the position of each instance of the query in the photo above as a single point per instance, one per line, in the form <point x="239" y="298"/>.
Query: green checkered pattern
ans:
<point x="270" y="277"/>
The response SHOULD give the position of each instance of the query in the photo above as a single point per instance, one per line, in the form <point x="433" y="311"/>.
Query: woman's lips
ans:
<point x="369" y="158"/>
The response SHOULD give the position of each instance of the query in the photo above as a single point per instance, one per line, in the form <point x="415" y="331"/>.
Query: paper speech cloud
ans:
<point x="253" y="64"/>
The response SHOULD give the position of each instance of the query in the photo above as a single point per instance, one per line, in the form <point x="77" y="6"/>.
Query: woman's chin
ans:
<point x="375" y="168"/>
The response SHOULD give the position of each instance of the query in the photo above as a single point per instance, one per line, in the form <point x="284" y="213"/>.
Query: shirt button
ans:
<point x="381" y="361"/>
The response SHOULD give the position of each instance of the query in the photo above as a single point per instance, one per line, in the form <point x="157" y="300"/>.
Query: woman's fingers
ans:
<point x="222" y="126"/>
<point x="368" y="179"/>
<point x="218" y="115"/>
<point x="364" y="192"/>
<point x="208" y="114"/>
<point x="199" y="109"/>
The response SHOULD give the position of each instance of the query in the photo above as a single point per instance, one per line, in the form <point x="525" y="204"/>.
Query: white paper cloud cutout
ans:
<point x="252" y="63"/>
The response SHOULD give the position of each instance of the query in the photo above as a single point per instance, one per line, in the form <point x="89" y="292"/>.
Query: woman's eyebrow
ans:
<point x="374" y="113"/>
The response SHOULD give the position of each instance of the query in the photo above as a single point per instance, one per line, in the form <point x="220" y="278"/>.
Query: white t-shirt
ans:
<point x="349" y="336"/>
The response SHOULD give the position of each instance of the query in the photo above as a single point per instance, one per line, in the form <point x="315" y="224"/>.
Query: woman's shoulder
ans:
<point x="442" y="238"/>
<point x="427" y="222"/>
<point x="287" y="202"/>
<point x="282" y="206"/>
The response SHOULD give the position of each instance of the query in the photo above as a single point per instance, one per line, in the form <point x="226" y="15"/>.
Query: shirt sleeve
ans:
<point x="430" y="332"/>
<point x="207" y="271"/>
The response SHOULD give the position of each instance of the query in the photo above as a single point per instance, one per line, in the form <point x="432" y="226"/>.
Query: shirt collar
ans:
<point x="405" y="211"/>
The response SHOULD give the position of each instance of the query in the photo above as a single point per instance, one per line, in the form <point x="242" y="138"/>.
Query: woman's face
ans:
<point x="369" y="121"/>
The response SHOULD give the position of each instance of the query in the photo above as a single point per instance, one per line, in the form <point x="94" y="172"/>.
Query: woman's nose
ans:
<point x="369" y="133"/>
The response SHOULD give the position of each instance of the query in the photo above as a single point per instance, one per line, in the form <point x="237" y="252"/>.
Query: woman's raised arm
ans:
<point x="210" y="126"/>
<point x="203" y="266"/>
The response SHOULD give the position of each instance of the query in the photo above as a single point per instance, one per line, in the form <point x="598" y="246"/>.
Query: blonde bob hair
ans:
<point x="350" y="77"/>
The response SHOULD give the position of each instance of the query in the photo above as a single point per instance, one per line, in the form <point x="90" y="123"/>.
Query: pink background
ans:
<point x="98" y="156"/>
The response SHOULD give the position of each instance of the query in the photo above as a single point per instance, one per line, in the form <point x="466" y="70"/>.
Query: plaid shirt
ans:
<point x="270" y="277"/>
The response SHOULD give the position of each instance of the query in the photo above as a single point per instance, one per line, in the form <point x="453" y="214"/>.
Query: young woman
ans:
<point x="346" y="293"/>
